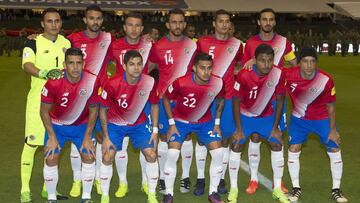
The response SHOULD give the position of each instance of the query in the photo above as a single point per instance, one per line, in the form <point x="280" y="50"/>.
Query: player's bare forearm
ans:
<point x="278" y="109"/>
<point x="220" y="103"/>
<point x="154" y="114"/>
<point x="45" y="117"/>
<point x="293" y="62"/>
<point x="31" y="69"/>
<point x="93" y="114"/>
<point x="167" y="106"/>
<point x="236" y="112"/>
<point x="104" y="121"/>
<point x="331" y="113"/>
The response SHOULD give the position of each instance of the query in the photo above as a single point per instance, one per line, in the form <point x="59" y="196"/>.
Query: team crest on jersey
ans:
<point x="102" y="45"/>
<point x="270" y="84"/>
<point x="313" y="90"/>
<point x="46" y="51"/>
<point x="230" y="49"/>
<point x="211" y="94"/>
<point x="142" y="93"/>
<point x="141" y="51"/>
<point x="82" y="92"/>
<point x="276" y="50"/>
<point x="186" y="51"/>
<point x="32" y="137"/>
<point x="44" y="92"/>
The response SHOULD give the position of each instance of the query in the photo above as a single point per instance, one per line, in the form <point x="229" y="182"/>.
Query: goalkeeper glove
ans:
<point x="52" y="74"/>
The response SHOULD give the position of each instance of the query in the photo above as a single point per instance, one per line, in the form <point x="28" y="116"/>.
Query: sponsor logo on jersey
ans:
<point x="123" y="96"/>
<point x="66" y="94"/>
<point x="191" y="95"/>
<point x="82" y="92"/>
<point x="83" y="45"/>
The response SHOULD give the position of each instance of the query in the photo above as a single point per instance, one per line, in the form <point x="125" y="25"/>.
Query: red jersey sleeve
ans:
<point x="95" y="97"/>
<point x="288" y="47"/>
<point x="246" y="55"/>
<point x="154" y="95"/>
<point x="153" y="57"/>
<point x="281" y="88"/>
<point x="171" y="91"/>
<point x="47" y="95"/>
<point x="330" y="93"/>
<point x="240" y="53"/>
<point x="222" y="91"/>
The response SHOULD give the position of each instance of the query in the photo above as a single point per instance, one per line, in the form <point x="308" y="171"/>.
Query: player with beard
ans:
<point x="94" y="45"/>
<point x="283" y="51"/>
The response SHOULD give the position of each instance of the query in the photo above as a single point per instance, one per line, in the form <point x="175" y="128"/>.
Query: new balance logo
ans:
<point x="254" y="155"/>
<point x="103" y="178"/>
<point x="168" y="51"/>
<point x="338" y="162"/>
<point x="66" y="94"/>
<point x="26" y="164"/>
<point x="191" y="95"/>
<point x="83" y="45"/>
<point x="166" y="173"/>
<point x="123" y="96"/>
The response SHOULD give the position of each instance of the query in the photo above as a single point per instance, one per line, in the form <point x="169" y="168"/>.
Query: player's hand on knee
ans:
<point x="217" y="131"/>
<point x="55" y="74"/>
<point x="172" y="130"/>
<point x="277" y="134"/>
<point x="51" y="146"/>
<point x="88" y="145"/>
<point x="107" y="145"/>
<point x="154" y="138"/>
<point x="238" y="135"/>
<point x="334" y="136"/>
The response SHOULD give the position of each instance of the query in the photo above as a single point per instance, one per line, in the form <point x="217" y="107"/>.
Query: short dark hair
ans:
<point x="131" y="54"/>
<point x="134" y="15"/>
<point x="264" y="49"/>
<point x="202" y="57"/>
<point x="307" y="51"/>
<point x="221" y="12"/>
<point x="93" y="7"/>
<point x="175" y="11"/>
<point x="73" y="51"/>
<point x="266" y="10"/>
<point x="49" y="10"/>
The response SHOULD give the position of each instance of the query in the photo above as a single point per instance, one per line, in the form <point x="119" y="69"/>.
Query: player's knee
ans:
<point x="200" y="143"/>
<point x="294" y="148"/>
<point x="255" y="138"/>
<point x="333" y="149"/>
<point x="51" y="162"/>
<point x="225" y="142"/>
<point x="98" y="136"/>
<point x="108" y="159"/>
<point x="275" y="146"/>
<point x="237" y="147"/>
<point x="86" y="159"/>
<point x="163" y="138"/>
<point x="150" y="156"/>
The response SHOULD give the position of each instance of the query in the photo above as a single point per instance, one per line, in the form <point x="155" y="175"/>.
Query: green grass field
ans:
<point x="315" y="170"/>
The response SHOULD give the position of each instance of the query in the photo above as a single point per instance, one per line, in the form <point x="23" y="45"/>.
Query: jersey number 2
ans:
<point x="189" y="102"/>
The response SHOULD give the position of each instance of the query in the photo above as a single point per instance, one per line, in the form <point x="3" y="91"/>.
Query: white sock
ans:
<point x="152" y="172"/>
<point x="294" y="167"/>
<point x="75" y="160"/>
<point x="106" y="172"/>
<point x="162" y="151"/>
<point x="225" y="161"/>
<point x="143" y="168"/>
<point x="200" y="156"/>
<point x="277" y="163"/>
<point x="121" y="161"/>
<point x="51" y="177"/>
<point x="216" y="169"/>
<point x="98" y="161"/>
<point x="87" y="177"/>
<point x="234" y="165"/>
<point x="170" y="170"/>
<point x="254" y="159"/>
<point x="187" y="151"/>
<point x="336" y="166"/>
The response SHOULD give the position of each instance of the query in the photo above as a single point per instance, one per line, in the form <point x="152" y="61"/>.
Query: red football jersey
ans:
<point x="121" y="46"/>
<point x="193" y="100"/>
<point x="280" y="44"/>
<point x="174" y="59"/>
<point x="70" y="101"/>
<point x="127" y="102"/>
<point x="309" y="97"/>
<point x="95" y="51"/>
<point x="225" y="54"/>
<point x="256" y="92"/>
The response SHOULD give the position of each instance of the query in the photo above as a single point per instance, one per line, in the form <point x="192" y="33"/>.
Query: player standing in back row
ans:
<point x="226" y="52"/>
<point x="313" y="96"/>
<point x="283" y="52"/>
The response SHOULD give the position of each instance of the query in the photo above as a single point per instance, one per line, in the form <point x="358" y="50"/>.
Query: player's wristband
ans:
<point x="217" y="121"/>
<point x="155" y="130"/>
<point x="43" y="73"/>
<point x="171" y="121"/>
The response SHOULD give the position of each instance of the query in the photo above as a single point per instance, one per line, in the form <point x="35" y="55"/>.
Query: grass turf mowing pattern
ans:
<point x="315" y="177"/>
